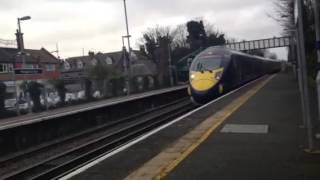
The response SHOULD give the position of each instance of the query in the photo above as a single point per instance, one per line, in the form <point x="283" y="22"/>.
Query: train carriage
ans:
<point x="217" y="70"/>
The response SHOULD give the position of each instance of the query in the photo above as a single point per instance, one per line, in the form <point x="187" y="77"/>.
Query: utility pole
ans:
<point x="57" y="50"/>
<point x="123" y="41"/>
<point x="304" y="78"/>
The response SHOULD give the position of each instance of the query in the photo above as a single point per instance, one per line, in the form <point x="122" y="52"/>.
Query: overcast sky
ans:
<point x="99" y="24"/>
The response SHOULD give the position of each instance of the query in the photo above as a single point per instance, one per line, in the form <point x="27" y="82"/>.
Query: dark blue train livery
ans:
<point x="217" y="70"/>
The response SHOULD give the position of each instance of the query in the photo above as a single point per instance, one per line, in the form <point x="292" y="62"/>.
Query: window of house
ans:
<point x="10" y="67"/>
<point x="28" y="66"/>
<point x="5" y="68"/>
<point x="50" y="67"/>
<point x="94" y="62"/>
<point x="66" y="65"/>
<point x="36" y="66"/>
<point x="108" y="61"/>
<point x="79" y="65"/>
<point x="133" y="55"/>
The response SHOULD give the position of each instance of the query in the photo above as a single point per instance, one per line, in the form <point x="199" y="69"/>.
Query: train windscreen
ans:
<point x="205" y="63"/>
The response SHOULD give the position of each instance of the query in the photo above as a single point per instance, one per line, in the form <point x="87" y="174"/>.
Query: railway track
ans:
<point x="47" y="162"/>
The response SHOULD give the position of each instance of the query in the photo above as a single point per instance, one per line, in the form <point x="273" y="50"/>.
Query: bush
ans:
<point x="59" y="85"/>
<point x="34" y="88"/>
<point x="88" y="89"/>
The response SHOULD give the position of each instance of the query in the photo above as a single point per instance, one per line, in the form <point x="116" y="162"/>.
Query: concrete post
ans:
<point x="317" y="28"/>
<point x="304" y="82"/>
<point x="299" y="74"/>
<point x="170" y="69"/>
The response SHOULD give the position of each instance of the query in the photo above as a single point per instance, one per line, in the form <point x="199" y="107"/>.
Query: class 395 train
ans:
<point x="218" y="70"/>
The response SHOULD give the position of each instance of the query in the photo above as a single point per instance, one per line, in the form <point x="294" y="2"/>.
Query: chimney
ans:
<point x="91" y="54"/>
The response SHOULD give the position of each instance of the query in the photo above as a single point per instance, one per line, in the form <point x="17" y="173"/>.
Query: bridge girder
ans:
<point x="275" y="42"/>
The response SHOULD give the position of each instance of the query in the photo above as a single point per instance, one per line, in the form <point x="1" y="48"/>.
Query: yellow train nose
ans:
<point x="203" y="81"/>
<point x="202" y="84"/>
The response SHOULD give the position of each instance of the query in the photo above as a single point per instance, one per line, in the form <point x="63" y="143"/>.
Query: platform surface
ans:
<point x="261" y="140"/>
<point x="277" y="153"/>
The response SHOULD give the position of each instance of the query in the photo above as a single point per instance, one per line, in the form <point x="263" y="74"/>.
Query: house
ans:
<point x="142" y="69"/>
<point x="11" y="58"/>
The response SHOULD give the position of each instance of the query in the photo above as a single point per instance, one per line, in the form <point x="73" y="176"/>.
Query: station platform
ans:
<point x="251" y="134"/>
<point x="263" y="139"/>
<point x="12" y="122"/>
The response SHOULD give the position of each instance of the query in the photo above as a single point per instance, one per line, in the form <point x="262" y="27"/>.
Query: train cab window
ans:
<point x="206" y="63"/>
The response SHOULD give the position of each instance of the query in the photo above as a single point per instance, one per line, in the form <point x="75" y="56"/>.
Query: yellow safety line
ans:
<point x="162" y="169"/>
<point x="186" y="153"/>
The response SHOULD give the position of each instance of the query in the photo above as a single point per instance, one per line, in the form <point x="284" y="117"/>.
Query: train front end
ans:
<point x="206" y="73"/>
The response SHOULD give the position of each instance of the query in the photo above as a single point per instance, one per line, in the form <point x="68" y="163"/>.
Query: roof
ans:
<point x="32" y="56"/>
<point x="87" y="60"/>
<point x="141" y="64"/>
<point x="84" y="59"/>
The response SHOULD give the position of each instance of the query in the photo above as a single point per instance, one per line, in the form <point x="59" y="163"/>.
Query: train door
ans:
<point x="237" y="71"/>
<point x="227" y="78"/>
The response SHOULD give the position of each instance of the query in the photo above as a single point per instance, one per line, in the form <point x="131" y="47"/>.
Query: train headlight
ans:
<point x="192" y="76"/>
<point x="218" y="75"/>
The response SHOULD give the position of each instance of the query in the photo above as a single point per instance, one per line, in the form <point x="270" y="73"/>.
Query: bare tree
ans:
<point x="179" y="35"/>
<point x="152" y="36"/>
<point x="284" y="15"/>
<point x="103" y="74"/>
<point x="157" y="32"/>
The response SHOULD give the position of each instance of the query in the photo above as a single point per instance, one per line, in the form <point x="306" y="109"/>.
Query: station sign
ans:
<point x="28" y="71"/>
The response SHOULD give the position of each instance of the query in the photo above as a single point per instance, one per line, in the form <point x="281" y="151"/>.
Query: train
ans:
<point x="217" y="70"/>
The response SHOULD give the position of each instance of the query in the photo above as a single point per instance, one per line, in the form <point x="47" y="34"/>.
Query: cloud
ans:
<point x="99" y="24"/>
<point x="11" y="4"/>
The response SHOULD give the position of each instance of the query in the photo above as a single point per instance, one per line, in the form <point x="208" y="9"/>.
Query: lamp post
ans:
<point x="126" y="65"/>
<point x="123" y="37"/>
<point x="22" y="53"/>
<point x="127" y="69"/>
<point x="20" y="38"/>
<point x="127" y="26"/>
